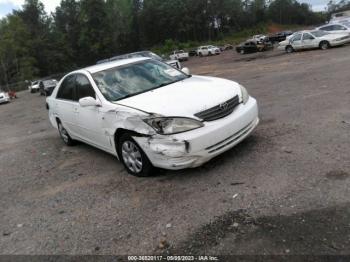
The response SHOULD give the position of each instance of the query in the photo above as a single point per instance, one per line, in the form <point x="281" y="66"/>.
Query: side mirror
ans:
<point x="88" y="101"/>
<point x="186" y="71"/>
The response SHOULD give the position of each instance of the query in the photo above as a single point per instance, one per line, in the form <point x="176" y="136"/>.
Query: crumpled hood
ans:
<point x="185" y="98"/>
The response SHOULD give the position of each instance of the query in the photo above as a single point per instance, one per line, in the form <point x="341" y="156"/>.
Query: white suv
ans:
<point x="208" y="50"/>
<point x="149" y="114"/>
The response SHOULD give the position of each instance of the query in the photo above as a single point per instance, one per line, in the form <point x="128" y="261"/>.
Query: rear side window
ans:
<point x="83" y="87"/>
<point x="338" y="27"/>
<point x="327" y="28"/>
<point x="66" y="90"/>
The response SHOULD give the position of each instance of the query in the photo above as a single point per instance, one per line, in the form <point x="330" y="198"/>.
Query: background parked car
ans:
<point x="47" y="86"/>
<point x="251" y="46"/>
<point x="279" y="36"/>
<point x="228" y="47"/>
<point x="313" y="39"/>
<point x="192" y="52"/>
<point x="259" y="38"/>
<point x="34" y="87"/>
<point x="4" y="97"/>
<point x="208" y="50"/>
<point x="334" y="28"/>
<point x="148" y="54"/>
<point x="180" y="55"/>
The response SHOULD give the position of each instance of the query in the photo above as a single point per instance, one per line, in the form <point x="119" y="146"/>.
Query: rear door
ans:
<point x="90" y="119"/>
<point x="66" y="105"/>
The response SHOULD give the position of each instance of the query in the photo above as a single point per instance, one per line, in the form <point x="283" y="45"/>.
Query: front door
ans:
<point x="90" y="118"/>
<point x="309" y="41"/>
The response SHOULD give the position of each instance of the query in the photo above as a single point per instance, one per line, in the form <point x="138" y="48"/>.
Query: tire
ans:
<point x="31" y="91"/>
<point x="200" y="54"/>
<point x="133" y="158"/>
<point x="324" y="45"/>
<point x="64" y="135"/>
<point x="242" y="52"/>
<point x="210" y="54"/>
<point x="289" y="49"/>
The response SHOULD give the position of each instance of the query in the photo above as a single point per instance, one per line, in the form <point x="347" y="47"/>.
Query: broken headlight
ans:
<point x="245" y="94"/>
<point x="172" y="125"/>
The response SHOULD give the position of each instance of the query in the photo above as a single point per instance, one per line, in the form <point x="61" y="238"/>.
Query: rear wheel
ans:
<point x="200" y="54"/>
<point x="64" y="135"/>
<point x="324" y="45"/>
<point x="133" y="158"/>
<point x="289" y="49"/>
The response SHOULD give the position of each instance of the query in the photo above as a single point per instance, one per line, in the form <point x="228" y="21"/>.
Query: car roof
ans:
<point x="100" y="67"/>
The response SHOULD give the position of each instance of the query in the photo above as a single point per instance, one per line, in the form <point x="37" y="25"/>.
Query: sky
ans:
<point x="6" y="6"/>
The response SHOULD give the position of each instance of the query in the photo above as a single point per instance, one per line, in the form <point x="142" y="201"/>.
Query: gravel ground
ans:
<point x="285" y="190"/>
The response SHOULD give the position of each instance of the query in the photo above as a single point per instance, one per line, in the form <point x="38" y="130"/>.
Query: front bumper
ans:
<point x="281" y="47"/>
<point x="194" y="148"/>
<point x="5" y="99"/>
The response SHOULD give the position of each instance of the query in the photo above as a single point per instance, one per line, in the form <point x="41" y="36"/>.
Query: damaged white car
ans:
<point x="149" y="114"/>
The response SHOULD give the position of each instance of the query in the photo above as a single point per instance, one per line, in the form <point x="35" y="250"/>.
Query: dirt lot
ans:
<point x="285" y="190"/>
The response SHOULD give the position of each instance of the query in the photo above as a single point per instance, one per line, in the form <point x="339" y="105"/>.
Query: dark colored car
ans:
<point x="47" y="86"/>
<point x="192" y="52"/>
<point x="253" y="47"/>
<point x="279" y="37"/>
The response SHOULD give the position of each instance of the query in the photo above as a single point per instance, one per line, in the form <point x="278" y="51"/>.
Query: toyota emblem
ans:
<point x="223" y="106"/>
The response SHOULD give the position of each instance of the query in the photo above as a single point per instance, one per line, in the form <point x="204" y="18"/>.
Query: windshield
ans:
<point x="132" y="79"/>
<point x="147" y="54"/>
<point x="319" y="33"/>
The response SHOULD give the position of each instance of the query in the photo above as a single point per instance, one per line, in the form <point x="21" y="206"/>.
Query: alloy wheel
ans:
<point x="63" y="133"/>
<point x="132" y="156"/>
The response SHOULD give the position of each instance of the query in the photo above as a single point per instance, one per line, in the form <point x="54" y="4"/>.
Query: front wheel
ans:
<point x="133" y="158"/>
<point x="289" y="49"/>
<point x="324" y="45"/>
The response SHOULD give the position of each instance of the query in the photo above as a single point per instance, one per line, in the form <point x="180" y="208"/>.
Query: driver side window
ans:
<point x="296" y="38"/>
<point x="83" y="87"/>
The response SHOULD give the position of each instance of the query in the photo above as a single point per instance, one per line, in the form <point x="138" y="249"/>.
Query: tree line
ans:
<point x="36" y="44"/>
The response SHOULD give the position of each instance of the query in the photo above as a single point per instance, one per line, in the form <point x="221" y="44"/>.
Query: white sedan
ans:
<point x="4" y="97"/>
<point x="313" y="39"/>
<point x="149" y="114"/>
<point x="335" y="28"/>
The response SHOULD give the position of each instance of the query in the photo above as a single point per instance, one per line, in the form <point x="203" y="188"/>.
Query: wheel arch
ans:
<point x="121" y="131"/>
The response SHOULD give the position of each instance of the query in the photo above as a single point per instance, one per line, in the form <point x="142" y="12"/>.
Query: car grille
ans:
<point x="219" y="111"/>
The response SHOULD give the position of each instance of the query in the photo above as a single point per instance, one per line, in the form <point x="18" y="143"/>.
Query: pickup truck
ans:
<point x="180" y="55"/>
